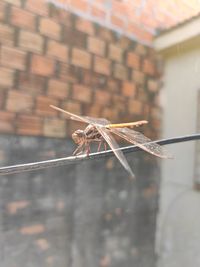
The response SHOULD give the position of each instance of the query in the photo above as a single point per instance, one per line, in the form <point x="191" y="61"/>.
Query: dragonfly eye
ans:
<point x="78" y="136"/>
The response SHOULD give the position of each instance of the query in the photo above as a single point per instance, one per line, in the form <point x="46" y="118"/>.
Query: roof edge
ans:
<point x="178" y="34"/>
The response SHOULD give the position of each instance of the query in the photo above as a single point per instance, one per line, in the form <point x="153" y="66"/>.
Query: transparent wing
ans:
<point x="100" y="121"/>
<point x="115" y="148"/>
<point x="71" y="115"/>
<point x="141" y="141"/>
<point x="84" y="119"/>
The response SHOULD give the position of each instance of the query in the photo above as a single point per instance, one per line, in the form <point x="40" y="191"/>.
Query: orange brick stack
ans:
<point x="137" y="19"/>
<point x="50" y="56"/>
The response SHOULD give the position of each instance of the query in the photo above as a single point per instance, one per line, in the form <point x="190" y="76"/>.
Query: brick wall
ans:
<point x="138" y="19"/>
<point x="72" y="215"/>
<point x="50" y="56"/>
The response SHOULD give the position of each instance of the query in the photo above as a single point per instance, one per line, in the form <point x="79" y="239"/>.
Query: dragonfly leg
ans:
<point x="99" y="146"/>
<point x="78" y="150"/>
<point x="87" y="149"/>
<point x="105" y="146"/>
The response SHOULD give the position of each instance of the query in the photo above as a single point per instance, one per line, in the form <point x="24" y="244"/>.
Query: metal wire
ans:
<point x="76" y="159"/>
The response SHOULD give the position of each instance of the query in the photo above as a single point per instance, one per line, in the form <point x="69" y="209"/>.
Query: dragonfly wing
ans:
<point x="141" y="141"/>
<point x="115" y="148"/>
<point x="85" y="119"/>
<point x="100" y="121"/>
<point x="71" y="115"/>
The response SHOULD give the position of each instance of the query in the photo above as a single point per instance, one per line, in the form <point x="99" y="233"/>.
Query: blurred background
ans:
<point x="124" y="60"/>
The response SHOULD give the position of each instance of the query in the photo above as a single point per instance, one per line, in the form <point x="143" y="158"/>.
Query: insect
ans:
<point x="101" y="130"/>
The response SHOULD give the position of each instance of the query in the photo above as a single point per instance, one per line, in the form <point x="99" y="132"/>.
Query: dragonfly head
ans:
<point x="78" y="136"/>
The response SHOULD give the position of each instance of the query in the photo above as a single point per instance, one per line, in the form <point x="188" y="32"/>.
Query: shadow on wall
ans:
<point x="88" y="214"/>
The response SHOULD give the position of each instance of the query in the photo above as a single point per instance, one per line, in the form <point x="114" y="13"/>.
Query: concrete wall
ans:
<point x="88" y="214"/>
<point x="178" y="239"/>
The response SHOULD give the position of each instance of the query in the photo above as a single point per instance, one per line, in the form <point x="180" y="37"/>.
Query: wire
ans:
<point x="76" y="159"/>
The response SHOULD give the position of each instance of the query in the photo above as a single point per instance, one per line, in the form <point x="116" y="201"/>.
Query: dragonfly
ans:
<point x="102" y="131"/>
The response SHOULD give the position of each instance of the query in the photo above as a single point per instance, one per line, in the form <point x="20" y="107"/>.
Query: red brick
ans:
<point x="124" y="42"/>
<point x="119" y="7"/>
<point x="82" y="93"/>
<point x="110" y="114"/>
<point x="106" y="260"/>
<point x="120" y="72"/>
<point x="85" y="26"/>
<point x="156" y="125"/>
<point x="14" y="2"/>
<point x="42" y="244"/>
<point x="37" y="6"/>
<point x="81" y="58"/>
<point x="135" y="107"/>
<point x="120" y="103"/>
<point x="6" y="77"/>
<point x="117" y="21"/>
<point x="98" y="80"/>
<point x="22" y="18"/>
<point x="139" y="33"/>
<point x="142" y="95"/>
<point x="54" y="127"/>
<point x="74" y="38"/>
<point x="31" y="41"/>
<point x="61" y="16"/>
<point x="102" y="97"/>
<point x="73" y="126"/>
<point x="93" y="110"/>
<point x="141" y="49"/>
<point x="159" y="63"/>
<point x="13" y="207"/>
<point x="43" y="105"/>
<point x="113" y="85"/>
<point x="50" y="260"/>
<point x="128" y="89"/>
<point x="67" y="73"/>
<point x="133" y="60"/>
<point x="29" y="125"/>
<point x="149" y="192"/>
<point x="14" y="58"/>
<point x="156" y="113"/>
<point x="87" y="77"/>
<point x="153" y="85"/>
<point x="19" y="102"/>
<point x="2" y="98"/>
<point x="98" y="12"/>
<point x="96" y="46"/>
<point x="50" y="28"/>
<point x="2" y="11"/>
<point x="148" y="67"/>
<point x="138" y="77"/>
<point x="106" y="34"/>
<point x="58" y="89"/>
<point x="42" y="65"/>
<point x="100" y="2"/>
<point x="115" y="53"/>
<point x="102" y="65"/>
<point x="72" y="106"/>
<point x="31" y="83"/>
<point x="58" y="51"/>
<point x="7" y="122"/>
<point x="147" y="110"/>
<point x="81" y="5"/>
<point x="6" y="34"/>
<point x="32" y="229"/>
<point x="148" y="21"/>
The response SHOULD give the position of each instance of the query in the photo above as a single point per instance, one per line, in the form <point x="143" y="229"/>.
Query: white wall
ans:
<point x="178" y="227"/>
